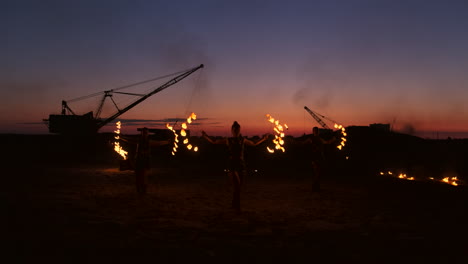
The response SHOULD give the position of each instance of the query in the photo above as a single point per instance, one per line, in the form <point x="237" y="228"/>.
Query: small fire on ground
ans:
<point x="447" y="180"/>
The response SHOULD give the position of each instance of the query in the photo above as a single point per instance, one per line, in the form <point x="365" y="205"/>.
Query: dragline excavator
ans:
<point x="317" y="118"/>
<point x="70" y="123"/>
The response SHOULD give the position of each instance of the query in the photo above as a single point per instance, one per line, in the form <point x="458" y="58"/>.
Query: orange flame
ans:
<point x="343" y="135"/>
<point x="279" y="134"/>
<point x="117" y="146"/>
<point x="176" y="140"/>
<point x="450" y="180"/>
<point x="183" y="133"/>
<point x="399" y="176"/>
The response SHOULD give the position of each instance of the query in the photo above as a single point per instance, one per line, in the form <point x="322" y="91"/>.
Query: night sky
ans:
<point x="357" y="62"/>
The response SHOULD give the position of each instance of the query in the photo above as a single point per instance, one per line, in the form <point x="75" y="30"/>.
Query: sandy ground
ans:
<point x="86" y="214"/>
<point x="63" y="206"/>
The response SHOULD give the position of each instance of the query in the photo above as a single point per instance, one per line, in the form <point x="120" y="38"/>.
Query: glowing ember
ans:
<point x="183" y="133"/>
<point x="117" y="146"/>
<point x="270" y="150"/>
<point x="279" y="134"/>
<point x="448" y="180"/>
<point x="403" y="176"/>
<point x="399" y="176"/>
<point x="451" y="180"/>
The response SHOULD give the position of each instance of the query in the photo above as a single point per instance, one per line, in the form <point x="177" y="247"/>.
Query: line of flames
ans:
<point x="343" y="136"/>
<point x="279" y="134"/>
<point x="183" y="134"/>
<point x="448" y="180"/>
<point x="117" y="146"/>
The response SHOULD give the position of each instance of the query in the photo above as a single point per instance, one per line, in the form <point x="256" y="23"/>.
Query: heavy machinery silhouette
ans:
<point x="316" y="115"/>
<point x="70" y="123"/>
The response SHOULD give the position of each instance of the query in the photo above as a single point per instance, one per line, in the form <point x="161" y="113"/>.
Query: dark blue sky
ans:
<point x="358" y="62"/>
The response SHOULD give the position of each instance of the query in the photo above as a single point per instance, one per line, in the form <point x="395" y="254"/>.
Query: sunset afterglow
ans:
<point x="357" y="62"/>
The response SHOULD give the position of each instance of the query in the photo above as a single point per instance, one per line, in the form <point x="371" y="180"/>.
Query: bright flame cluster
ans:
<point x="399" y="176"/>
<point x="279" y="134"/>
<point x="448" y="180"/>
<point x="343" y="136"/>
<point x="183" y="134"/>
<point x="117" y="146"/>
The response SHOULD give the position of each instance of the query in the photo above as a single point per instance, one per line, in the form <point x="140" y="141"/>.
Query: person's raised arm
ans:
<point x="157" y="143"/>
<point x="128" y="139"/>
<point x="331" y="140"/>
<point x="251" y="143"/>
<point x="218" y="141"/>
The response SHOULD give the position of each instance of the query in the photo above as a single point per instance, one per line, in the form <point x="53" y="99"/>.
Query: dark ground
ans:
<point x="65" y="200"/>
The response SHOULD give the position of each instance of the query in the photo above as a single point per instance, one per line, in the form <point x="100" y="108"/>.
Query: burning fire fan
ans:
<point x="183" y="134"/>
<point x="279" y="134"/>
<point x="318" y="117"/>
<point x="343" y="135"/>
<point x="117" y="146"/>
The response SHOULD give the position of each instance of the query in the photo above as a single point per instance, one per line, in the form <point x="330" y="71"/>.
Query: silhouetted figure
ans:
<point x="236" y="163"/>
<point x="142" y="162"/>
<point x="317" y="156"/>
<point x="143" y="158"/>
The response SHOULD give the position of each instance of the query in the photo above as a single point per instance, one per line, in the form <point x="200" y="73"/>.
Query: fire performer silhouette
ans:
<point x="236" y="163"/>
<point x="142" y="159"/>
<point x="317" y="156"/>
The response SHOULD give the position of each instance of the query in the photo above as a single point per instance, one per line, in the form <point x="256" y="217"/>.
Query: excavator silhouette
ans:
<point x="70" y="123"/>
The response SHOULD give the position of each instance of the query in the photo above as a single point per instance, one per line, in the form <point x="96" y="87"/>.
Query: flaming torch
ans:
<point x="183" y="134"/>
<point x="279" y="134"/>
<point x="117" y="146"/>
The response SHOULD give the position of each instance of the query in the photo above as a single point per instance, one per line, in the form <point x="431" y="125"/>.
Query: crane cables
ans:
<point x="126" y="86"/>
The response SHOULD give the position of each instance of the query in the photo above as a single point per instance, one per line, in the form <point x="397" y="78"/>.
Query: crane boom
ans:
<point x="88" y="124"/>
<point x="157" y="90"/>
<point x="316" y="117"/>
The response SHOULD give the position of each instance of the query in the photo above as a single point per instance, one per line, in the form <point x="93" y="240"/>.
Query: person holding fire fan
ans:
<point x="236" y="163"/>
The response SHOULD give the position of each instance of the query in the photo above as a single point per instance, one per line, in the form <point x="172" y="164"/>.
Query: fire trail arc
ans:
<point x="68" y="122"/>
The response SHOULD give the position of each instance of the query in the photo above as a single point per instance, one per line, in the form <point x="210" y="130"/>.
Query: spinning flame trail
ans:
<point x="279" y="134"/>
<point x="183" y="134"/>
<point x="343" y="136"/>
<point x="117" y="146"/>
